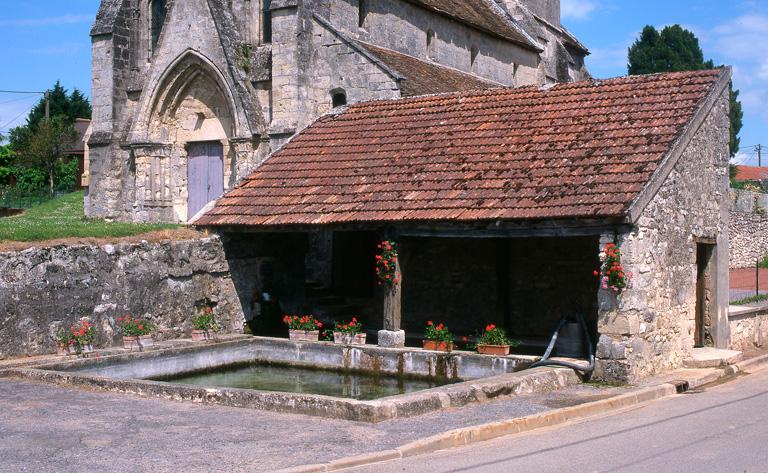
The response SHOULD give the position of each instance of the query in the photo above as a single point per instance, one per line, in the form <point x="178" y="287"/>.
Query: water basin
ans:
<point x="268" y="377"/>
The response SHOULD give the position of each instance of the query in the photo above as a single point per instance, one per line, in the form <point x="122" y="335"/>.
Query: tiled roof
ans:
<point x="574" y="150"/>
<point x="751" y="173"/>
<point x="422" y="77"/>
<point x="481" y="14"/>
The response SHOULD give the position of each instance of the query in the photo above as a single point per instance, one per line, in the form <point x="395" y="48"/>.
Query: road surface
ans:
<point x="720" y="429"/>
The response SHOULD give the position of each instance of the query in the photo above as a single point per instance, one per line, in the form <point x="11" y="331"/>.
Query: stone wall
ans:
<point x="748" y="228"/>
<point x="749" y="328"/>
<point x="43" y="289"/>
<point x="650" y="327"/>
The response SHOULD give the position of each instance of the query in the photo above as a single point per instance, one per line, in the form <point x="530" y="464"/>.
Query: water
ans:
<point x="352" y="385"/>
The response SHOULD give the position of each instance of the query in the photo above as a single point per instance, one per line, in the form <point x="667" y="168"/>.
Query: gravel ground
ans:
<point x="44" y="428"/>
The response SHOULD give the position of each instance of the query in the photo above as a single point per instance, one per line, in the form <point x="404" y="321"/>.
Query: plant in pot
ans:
<point x="494" y="341"/>
<point x="64" y="341"/>
<point x="438" y="338"/>
<point x="305" y="328"/>
<point x="137" y="333"/>
<point x="204" y="325"/>
<point x="83" y="334"/>
<point x="349" y="333"/>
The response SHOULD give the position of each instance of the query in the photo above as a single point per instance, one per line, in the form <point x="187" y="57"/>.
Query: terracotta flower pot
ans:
<point x="61" y="349"/>
<point x="341" y="338"/>
<point x="304" y="336"/>
<point x="146" y="341"/>
<point x="435" y="345"/>
<point x="201" y="335"/>
<point x="130" y="342"/>
<point x="497" y="350"/>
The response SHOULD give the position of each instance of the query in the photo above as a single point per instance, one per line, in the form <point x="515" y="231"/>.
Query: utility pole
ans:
<point x="759" y="149"/>
<point x="47" y="105"/>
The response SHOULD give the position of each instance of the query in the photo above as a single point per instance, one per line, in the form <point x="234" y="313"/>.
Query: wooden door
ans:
<point x="205" y="173"/>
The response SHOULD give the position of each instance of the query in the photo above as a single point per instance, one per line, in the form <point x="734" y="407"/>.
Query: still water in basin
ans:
<point x="308" y="381"/>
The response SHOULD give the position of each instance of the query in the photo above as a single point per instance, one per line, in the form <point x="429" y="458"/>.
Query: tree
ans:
<point x="676" y="49"/>
<point x="72" y="106"/>
<point x="48" y="145"/>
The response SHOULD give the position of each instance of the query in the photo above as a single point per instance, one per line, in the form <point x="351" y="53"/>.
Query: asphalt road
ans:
<point x="721" y="429"/>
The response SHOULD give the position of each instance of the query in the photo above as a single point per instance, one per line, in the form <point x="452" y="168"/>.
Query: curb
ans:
<point x="752" y="363"/>
<point x="469" y="435"/>
<point x="481" y="433"/>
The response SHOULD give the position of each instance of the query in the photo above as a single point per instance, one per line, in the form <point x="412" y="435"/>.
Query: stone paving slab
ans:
<point x="50" y="429"/>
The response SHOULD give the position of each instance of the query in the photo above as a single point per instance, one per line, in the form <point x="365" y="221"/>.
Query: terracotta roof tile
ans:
<point x="751" y="173"/>
<point x="422" y="77"/>
<point x="573" y="151"/>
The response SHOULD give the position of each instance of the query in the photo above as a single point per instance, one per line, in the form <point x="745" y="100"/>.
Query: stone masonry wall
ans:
<point x="748" y="228"/>
<point x="43" y="289"/>
<point x="650" y="327"/>
<point x="749" y="330"/>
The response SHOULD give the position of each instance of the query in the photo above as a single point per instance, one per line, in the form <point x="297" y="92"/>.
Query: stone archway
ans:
<point x="192" y="109"/>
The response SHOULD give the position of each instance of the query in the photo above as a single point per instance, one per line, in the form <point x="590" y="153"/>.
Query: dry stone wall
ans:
<point x="748" y="228"/>
<point x="44" y="289"/>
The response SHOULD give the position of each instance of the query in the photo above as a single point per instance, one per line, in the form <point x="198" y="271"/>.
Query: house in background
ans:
<point x="757" y="175"/>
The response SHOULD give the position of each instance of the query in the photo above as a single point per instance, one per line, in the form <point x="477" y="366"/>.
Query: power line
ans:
<point x="17" y="117"/>
<point x="19" y="99"/>
<point x="20" y="92"/>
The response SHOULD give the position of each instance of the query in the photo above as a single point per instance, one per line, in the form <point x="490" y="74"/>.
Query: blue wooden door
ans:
<point x="206" y="175"/>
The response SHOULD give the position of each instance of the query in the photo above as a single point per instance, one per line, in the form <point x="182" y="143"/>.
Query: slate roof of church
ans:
<point x="485" y="15"/>
<point x="578" y="150"/>
<point x="424" y="77"/>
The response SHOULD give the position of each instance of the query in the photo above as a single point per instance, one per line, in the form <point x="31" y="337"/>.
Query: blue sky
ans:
<point x="42" y="41"/>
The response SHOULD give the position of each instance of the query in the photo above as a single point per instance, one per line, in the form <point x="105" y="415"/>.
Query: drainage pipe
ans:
<point x="546" y="361"/>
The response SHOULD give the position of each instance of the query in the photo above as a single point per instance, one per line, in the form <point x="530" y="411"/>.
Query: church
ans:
<point x="189" y="97"/>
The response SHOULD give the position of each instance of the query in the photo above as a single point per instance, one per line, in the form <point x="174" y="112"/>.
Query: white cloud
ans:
<point x="739" y="42"/>
<point x="48" y="21"/>
<point x="577" y="9"/>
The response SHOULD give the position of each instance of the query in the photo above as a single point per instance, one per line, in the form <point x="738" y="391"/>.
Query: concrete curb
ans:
<point x="753" y="363"/>
<point x="481" y="433"/>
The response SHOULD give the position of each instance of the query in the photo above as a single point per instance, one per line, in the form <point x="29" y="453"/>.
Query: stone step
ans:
<point x="712" y="358"/>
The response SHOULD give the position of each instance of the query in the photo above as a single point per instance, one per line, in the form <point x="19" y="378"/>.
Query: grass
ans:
<point x="751" y="300"/>
<point x="64" y="217"/>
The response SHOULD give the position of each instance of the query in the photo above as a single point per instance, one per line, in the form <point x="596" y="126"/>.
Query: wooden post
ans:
<point x="392" y="303"/>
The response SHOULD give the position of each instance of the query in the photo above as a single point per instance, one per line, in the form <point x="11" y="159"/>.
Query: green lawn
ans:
<point x="64" y="218"/>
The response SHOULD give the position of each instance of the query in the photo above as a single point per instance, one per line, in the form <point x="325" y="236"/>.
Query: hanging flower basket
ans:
<point x="386" y="264"/>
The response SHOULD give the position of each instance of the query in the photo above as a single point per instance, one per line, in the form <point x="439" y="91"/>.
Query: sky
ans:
<point x="42" y="41"/>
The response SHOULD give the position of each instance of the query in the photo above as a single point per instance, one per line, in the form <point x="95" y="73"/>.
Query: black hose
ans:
<point x="545" y="361"/>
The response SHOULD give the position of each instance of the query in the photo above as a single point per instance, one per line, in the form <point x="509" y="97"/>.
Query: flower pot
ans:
<point x="146" y="341"/>
<point x="201" y="335"/>
<point x="72" y="349"/>
<point x="435" y="345"/>
<point x="130" y="342"/>
<point x="85" y="349"/>
<point x="358" y="339"/>
<point x="304" y="336"/>
<point x="62" y="349"/>
<point x="497" y="350"/>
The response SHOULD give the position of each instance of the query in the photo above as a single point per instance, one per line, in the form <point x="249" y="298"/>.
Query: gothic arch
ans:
<point x="191" y="84"/>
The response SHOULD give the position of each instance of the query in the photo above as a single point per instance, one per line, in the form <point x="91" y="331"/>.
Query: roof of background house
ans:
<point x="484" y="15"/>
<point x="751" y="173"/>
<point x="422" y="77"/>
<point x="81" y="127"/>
<point x="576" y="150"/>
